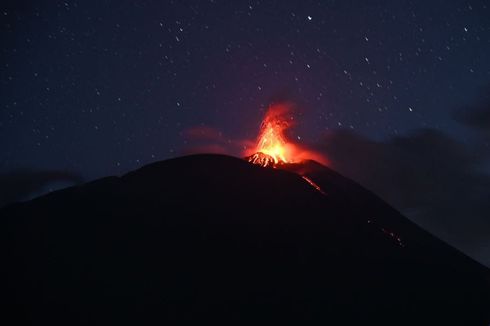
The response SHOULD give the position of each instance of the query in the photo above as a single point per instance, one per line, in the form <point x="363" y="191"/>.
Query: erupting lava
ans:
<point x="272" y="141"/>
<point x="273" y="148"/>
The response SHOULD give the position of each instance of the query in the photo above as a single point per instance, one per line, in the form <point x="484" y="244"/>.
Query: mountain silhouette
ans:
<point x="210" y="238"/>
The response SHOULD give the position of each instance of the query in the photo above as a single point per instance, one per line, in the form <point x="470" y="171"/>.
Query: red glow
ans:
<point x="273" y="147"/>
<point x="314" y="185"/>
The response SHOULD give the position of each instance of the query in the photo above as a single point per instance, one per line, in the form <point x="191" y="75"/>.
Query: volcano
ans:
<point x="212" y="238"/>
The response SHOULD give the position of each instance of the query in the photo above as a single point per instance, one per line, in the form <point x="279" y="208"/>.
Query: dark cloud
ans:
<point x="477" y="117"/>
<point x="430" y="177"/>
<point x="22" y="185"/>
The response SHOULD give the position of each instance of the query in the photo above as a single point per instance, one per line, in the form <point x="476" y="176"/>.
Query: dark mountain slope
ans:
<point x="209" y="238"/>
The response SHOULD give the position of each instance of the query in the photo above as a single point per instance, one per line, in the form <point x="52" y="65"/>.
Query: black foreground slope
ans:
<point x="211" y="238"/>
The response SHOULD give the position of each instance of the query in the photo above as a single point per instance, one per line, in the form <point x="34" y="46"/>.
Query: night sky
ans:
<point x="96" y="88"/>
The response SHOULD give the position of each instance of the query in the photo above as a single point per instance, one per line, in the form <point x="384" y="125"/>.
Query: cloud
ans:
<point x="477" y="117"/>
<point x="22" y="184"/>
<point x="430" y="177"/>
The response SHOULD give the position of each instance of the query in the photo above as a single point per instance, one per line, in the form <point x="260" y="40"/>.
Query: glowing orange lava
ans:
<point x="314" y="185"/>
<point x="272" y="140"/>
<point x="273" y="148"/>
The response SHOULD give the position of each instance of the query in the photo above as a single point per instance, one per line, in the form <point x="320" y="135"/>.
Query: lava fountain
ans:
<point x="273" y="148"/>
